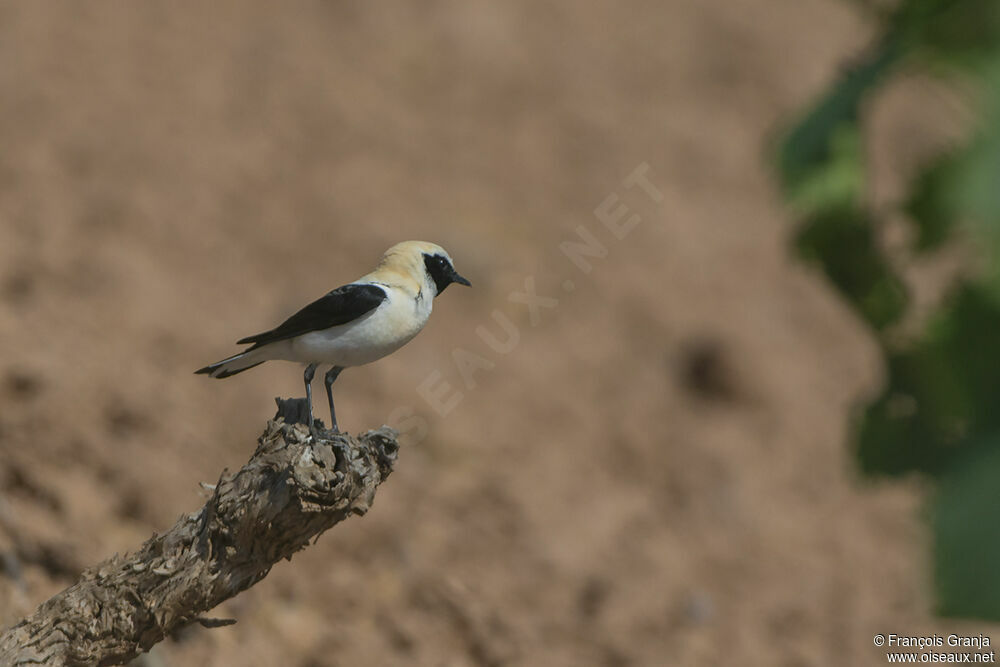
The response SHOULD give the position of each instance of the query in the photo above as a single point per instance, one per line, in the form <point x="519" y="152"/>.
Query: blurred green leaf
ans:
<point x="842" y="242"/>
<point x="979" y="182"/>
<point x="972" y="187"/>
<point x="820" y="161"/>
<point x="957" y="33"/>
<point x="942" y="392"/>
<point x="964" y="185"/>
<point x="931" y="204"/>
<point x="966" y="539"/>
<point x="840" y="180"/>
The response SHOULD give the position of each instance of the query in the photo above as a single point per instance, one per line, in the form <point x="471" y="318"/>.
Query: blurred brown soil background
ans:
<point x="656" y="474"/>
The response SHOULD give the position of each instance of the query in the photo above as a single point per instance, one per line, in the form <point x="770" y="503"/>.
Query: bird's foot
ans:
<point x="319" y="431"/>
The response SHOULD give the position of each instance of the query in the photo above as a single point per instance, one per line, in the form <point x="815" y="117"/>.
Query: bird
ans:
<point x="354" y="324"/>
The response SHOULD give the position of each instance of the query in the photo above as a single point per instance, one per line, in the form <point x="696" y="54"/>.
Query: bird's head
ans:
<point x="426" y="262"/>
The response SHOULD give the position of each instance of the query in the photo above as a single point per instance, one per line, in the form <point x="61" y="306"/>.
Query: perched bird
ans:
<point x="355" y="324"/>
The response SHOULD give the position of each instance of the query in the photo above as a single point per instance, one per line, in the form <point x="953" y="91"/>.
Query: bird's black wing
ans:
<point x="342" y="305"/>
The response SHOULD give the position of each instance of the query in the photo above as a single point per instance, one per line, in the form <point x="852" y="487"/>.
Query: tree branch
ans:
<point x="291" y="490"/>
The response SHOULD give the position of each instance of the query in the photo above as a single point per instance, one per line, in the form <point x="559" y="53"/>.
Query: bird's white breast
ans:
<point x="374" y="335"/>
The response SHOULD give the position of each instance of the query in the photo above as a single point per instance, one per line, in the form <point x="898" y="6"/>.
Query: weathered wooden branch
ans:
<point x="291" y="490"/>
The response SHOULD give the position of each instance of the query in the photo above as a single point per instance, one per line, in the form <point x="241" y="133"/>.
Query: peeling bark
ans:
<point x="291" y="490"/>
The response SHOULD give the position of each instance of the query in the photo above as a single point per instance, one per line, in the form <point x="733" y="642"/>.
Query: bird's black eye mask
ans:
<point x="442" y="272"/>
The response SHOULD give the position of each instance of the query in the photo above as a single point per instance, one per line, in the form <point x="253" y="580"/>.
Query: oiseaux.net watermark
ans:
<point x="936" y="649"/>
<point x="615" y="218"/>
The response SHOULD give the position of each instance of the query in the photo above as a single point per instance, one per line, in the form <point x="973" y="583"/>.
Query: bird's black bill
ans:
<point x="455" y="278"/>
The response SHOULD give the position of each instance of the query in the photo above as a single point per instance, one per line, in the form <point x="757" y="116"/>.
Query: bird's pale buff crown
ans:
<point x="402" y="265"/>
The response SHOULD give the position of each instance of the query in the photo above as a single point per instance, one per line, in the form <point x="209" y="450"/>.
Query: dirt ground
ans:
<point x="652" y="470"/>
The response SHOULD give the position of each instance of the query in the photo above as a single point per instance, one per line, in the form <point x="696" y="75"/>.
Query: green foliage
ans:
<point x="842" y="241"/>
<point x="821" y="163"/>
<point x="939" y="414"/>
<point x="955" y="33"/>
<point x="929" y="207"/>
<point x="966" y="542"/>
<point x="940" y="402"/>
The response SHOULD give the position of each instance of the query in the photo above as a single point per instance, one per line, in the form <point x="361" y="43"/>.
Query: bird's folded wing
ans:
<point x="342" y="305"/>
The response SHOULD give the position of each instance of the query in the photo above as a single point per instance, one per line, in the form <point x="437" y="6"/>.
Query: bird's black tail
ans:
<point x="231" y="366"/>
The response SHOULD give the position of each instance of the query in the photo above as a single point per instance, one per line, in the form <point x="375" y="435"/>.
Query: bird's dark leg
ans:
<point x="308" y="378"/>
<point x="331" y="377"/>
